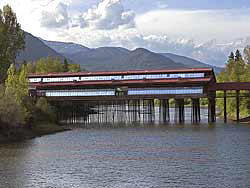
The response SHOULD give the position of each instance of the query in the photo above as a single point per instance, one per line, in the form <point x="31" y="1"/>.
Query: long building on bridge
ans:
<point x="130" y="88"/>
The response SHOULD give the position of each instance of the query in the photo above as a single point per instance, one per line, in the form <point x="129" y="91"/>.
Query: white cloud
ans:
<point x="200" y="25"/>
<point x="56" y="18"/>
<point x="108" y="14"/>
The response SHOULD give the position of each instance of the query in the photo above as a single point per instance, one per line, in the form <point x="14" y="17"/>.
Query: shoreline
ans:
<point x="23" y="134"/>
<point x="43" y="129"/>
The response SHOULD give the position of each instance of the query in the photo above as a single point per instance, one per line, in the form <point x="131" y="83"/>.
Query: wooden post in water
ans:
<point x="179" y="111"/>
<point x="238" y="106"/>
<point x="182" y="111"/>
<point x="160" y="111"/>
<point x="212" y="108"/>
<point x="167" y="110"/>
<point x="176" y="113"/>
<point x="225" y="106"/>
<point x="196" y="111"/>
<point x="153" y="106"/>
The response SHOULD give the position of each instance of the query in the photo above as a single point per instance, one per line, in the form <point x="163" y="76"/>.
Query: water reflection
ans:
<point x="138" y="156"/>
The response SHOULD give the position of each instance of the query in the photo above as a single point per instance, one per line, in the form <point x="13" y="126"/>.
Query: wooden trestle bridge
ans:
<point x="129" y="96"/>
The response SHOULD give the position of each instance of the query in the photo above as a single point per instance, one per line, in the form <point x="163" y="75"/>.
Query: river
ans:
<point x="131" y="156"/>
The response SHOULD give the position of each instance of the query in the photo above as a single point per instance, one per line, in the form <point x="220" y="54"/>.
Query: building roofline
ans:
<point x="125" y="82"/>
<point x="132" y="72"/>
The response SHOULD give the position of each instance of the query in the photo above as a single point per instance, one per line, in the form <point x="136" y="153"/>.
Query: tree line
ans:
<point x="237" y="69"/>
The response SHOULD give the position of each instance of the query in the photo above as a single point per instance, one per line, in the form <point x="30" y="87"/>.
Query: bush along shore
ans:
<point x="19" y="134"/>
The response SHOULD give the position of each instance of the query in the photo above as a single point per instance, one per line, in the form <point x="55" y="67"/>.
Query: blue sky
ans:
<point x="145" y="5"/>
<point x="207" y="4"/>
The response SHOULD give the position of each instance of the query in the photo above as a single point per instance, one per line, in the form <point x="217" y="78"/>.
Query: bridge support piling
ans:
<point x="179" y="111"/>
<point x="152" y="111"/>
<point x="225" y="106"/>
<point x="134" y="110"/>
<point x="160" y="111"/>
<point x="238" y="106"/>
<point x="196" y="118"/>
<point x="164" y="110"/>
<point x="138" y="110"/>
<point x="167" y="119"/>
<point x="211" y="110"/>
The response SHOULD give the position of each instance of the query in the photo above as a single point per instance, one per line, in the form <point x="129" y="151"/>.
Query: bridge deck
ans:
<point x="227" y="86"/>
<point x="122" y="98"/>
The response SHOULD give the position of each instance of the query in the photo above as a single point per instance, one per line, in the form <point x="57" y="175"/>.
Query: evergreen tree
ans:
<point x="239" y="67"/>
<point x="11" y="40"/>
<point x="238" y="56"/>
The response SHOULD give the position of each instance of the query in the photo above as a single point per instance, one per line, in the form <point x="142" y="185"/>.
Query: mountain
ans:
<point x="216" y="53"/>
<point x="189" y="61"/>
<point x="113" y="59"/>
<point x="36" y="49"/>
<point x="104" y="58"/>
<point x="65" y="48"/>
<point x="116" y="58"/>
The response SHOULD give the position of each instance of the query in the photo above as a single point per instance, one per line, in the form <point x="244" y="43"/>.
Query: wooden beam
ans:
<point x="225" y="106"/>
<point x="237" y="106"/>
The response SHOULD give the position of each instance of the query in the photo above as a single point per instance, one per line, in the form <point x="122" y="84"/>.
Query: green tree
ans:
<point x="10" y="111"/>
<point x="247" y="55"/>
<point x="47" y="65"/>
<point x="11" y="40"/>
<point x="42" y="105"/>
<point x="50" y="64"/>
<point x="236" y="70"/>
<point x="247" y="64"/>
<point x="17" y="86"/>
<point x="74" y="68"/>
<point x="65" y="65"/>
<point x="239" y="67"/>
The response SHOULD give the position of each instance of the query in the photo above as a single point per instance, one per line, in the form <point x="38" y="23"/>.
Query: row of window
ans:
<point x="151" y="91"/>
<point x="125" y="77"/>
<point x="182" y="91"/>
<point x="76" y="93"/>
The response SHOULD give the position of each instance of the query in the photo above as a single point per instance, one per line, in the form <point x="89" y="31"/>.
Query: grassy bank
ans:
<point x="21" y="134"/>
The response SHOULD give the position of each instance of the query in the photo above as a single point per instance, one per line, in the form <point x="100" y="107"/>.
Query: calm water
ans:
<point x="152" y="156"/>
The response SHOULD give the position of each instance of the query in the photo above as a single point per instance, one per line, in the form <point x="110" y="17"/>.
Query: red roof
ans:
<point x="166" y="71"/>
<point x="125" y="82"/>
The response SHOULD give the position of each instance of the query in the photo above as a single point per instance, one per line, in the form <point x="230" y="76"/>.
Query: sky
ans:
<point x="155" y="24"/>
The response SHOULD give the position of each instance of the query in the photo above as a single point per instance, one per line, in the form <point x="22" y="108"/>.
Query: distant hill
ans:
<point x="113" y="58"/>
<point x="105" y="58"/>
<point x="189" y="61"/>
<point x="36" y="49"/>
<point x="65" y="48"/>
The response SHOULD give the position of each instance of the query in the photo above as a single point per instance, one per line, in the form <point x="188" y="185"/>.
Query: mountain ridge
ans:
<point x="35" y="49"/>
<point x="104" y="58"/>
<point x="78" y="56"/>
